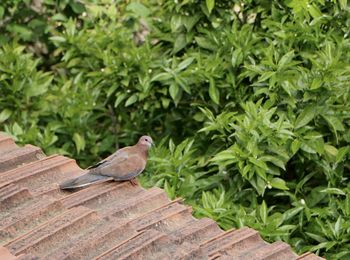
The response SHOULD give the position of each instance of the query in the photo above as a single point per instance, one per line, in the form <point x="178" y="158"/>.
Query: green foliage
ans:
<point x="259" y="147"/>
<point x="174" y="168"/>
<point x="248" y="102"/>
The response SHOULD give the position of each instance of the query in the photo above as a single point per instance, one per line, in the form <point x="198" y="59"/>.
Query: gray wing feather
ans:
<point x="128" y="176"/>
<point x="84" y="180"/>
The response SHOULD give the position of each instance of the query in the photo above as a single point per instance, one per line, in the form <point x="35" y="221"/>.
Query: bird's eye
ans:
<point x="146" y="140"/>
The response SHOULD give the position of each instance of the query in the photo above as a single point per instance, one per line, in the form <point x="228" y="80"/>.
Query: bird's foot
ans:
<point x="134" y="182"/>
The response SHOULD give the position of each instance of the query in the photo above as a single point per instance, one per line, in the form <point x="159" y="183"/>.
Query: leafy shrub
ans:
<point x="249" y="102"/>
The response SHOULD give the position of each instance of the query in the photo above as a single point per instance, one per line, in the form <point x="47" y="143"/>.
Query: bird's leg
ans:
<point x="134" y="182"/>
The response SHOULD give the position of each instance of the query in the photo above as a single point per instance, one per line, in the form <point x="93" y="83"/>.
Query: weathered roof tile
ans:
<point x="13" y="158"/>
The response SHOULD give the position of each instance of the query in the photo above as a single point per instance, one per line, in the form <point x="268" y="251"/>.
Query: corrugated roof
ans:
<point x="106" y="221"/>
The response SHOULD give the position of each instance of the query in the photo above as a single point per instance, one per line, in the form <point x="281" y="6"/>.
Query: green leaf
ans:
<point x="223" y="156"/>
<point x="23" y="31"/>
<point x="165" y="102"/>
<point x="162" y="76"/>
<point x="291" y="213"/>
<point x="305" y="116"/>
<point x="331" y="150"/>
<point x="174" y="90"/>
<point x="295" y="146"/>
<point x="343" y="4"/>
<point x="337" y="226"/>
<point x="335" y="124"/>
<point x="2" y="11"/>
<point x="214" y="92"/>
<point x="316" y="237"/>
<point x="314" y="11"/>
<point x="131" y="100"/>
<point x="287" y="58"/>
<point x="120" y="98"/>
<point x="79" y="142"/>
<point x="325" y="245"/>
<point x="184" y="64"/>
<point x="340" y="154"/>
<point x="112" y="12"/>
<point x="273" y="159"/>
<point x="205" y="43"/>
<point x="139" y="9"/>
<point x="246" y="169"/>
<point x="95" y="10"/>
<point x="237" y="57"/>
<point x="169" y="190"/>
<point x="307" y="148"/>
<point x="180" y="42"/>
<point x="59" y="17"/>
<point x="261" y="164"/>
<point x="39" y="87"/>
<point x="5" y="114"/>
<point x="316" y="83"/>
<point x="262" y="173"/>
<point x="210" y="4"/>
<point x="266" y="75"/>
<point x="190" y="21"/>
<point x="57" y="39"/>
<point x="182" y="83"/>
<point x="77" y="7"/>
<point x="263" y="212"/>
<point x="334" y="191"/>
<point x="17" y="130"/>
<point x="176" y="23"/>
<point x="259" y="184"/>
<point x="279" y="184"/>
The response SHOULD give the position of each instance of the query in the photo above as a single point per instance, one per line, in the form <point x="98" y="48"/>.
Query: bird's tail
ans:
<point x="83" y="181"/>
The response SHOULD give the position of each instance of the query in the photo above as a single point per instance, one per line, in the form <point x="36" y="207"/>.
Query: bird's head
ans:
<point x="145" y="141"/>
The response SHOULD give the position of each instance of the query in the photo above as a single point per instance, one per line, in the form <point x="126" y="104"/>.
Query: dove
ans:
<point x="123" y="165"/>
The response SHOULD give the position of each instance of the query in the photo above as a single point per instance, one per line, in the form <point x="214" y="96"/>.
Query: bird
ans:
<point x="123" y="165"/>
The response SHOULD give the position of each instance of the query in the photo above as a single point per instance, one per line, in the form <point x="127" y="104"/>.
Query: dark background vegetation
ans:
<point x="248" y="102"/>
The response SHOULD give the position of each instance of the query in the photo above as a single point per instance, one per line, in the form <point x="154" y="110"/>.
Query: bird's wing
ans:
<point x="119" y="155"/>
<point x="83" y="181"/>
<point x="125" y="168"/>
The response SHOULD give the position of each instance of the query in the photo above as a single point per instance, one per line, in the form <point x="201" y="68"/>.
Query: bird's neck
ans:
<point x="143" y="150"/>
